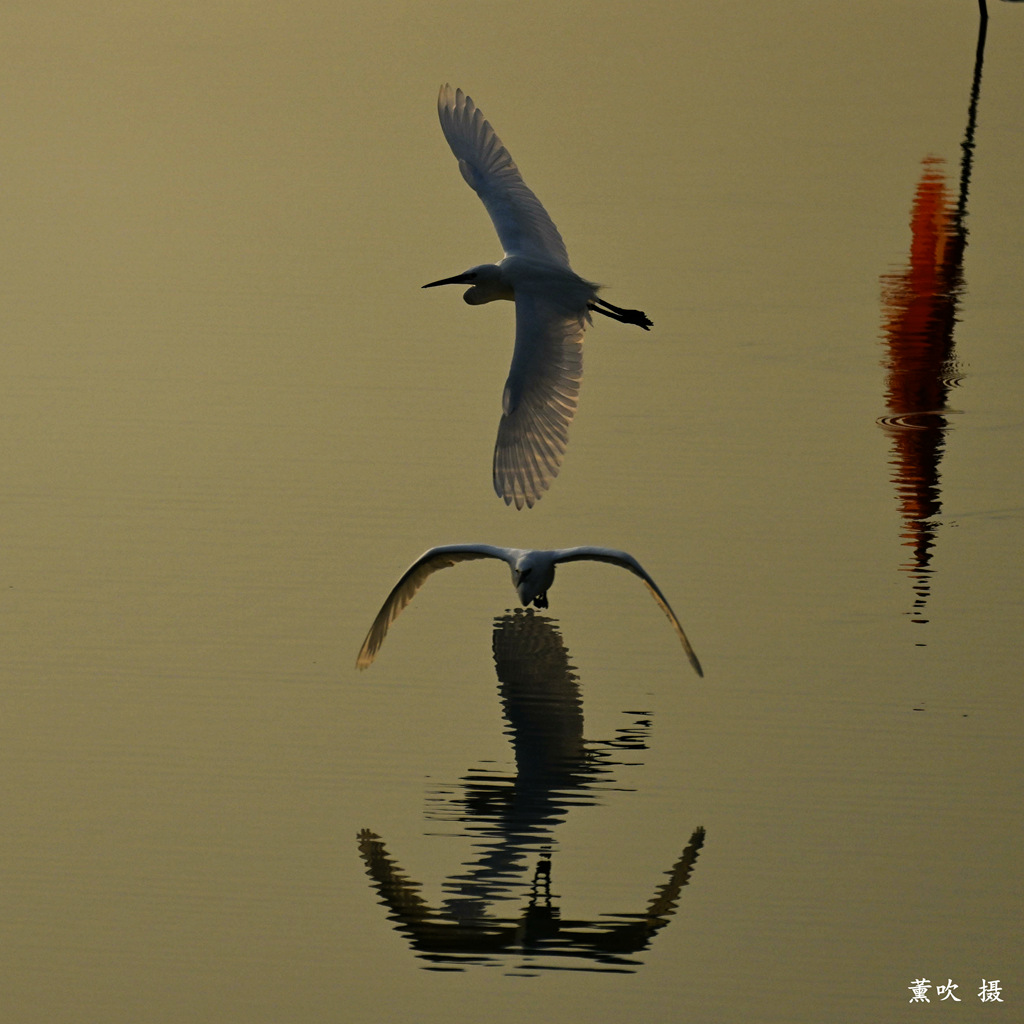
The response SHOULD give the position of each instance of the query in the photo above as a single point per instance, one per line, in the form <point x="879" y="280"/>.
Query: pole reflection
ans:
<point x="919" y="317"/>
<point x="500" y="904"/>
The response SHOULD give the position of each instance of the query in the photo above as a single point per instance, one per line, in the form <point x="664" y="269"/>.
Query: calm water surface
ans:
<point x="231" y="419"/>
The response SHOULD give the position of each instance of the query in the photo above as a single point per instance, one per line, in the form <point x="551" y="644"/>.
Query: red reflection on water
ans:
<point x="919" y="312"/>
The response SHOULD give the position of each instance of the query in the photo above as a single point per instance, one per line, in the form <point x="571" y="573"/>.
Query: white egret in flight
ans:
<point x="533" y="572"/>
<point x="553" y="306"/>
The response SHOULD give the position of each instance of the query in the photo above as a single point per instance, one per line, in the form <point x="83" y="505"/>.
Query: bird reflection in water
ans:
<point x="920" y="313"/>
<point x="500" y="904"/>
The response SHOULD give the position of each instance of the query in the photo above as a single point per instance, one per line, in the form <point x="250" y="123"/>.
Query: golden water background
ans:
<point x="229" y="418"/>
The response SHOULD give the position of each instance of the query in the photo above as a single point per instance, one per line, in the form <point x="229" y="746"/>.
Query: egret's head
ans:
<point x="532" y="583"/>
<point x="487" y="283"/>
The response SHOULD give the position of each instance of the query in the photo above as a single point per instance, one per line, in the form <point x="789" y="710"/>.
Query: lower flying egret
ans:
<point x="533" y="572"/>
<point x="553" y="306"/>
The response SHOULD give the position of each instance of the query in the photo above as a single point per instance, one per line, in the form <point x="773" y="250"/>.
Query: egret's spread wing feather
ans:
<point x="627" y="561"/>
<point x="412" y="579"/>
<point x="522" y="223"/>
<point x="540" y="398"/>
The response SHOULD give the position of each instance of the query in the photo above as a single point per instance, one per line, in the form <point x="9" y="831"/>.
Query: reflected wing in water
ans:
<point x="536" y="933"/>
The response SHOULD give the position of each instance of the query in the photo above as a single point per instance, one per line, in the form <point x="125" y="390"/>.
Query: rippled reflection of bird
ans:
<point x="533" y="572"/>
<point x="553" y="306"/>
<point x="454" y="941"/>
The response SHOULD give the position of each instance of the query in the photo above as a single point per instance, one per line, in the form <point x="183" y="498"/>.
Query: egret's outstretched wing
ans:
<point x="540" y="398"/>
<point x="413" y="578"/>
<point x="627" y="561"/>
<point x="523" y="225"/>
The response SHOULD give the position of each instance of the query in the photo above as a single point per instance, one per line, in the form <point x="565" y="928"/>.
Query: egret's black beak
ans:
<point x="457" y="279"/>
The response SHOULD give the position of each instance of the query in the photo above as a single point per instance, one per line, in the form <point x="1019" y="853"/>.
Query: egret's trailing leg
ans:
<point x="625" y="316"/>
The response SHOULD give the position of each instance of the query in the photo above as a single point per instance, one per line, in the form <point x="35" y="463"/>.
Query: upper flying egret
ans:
<point x="533" y="572"/>
<point x="553" y="306"/>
